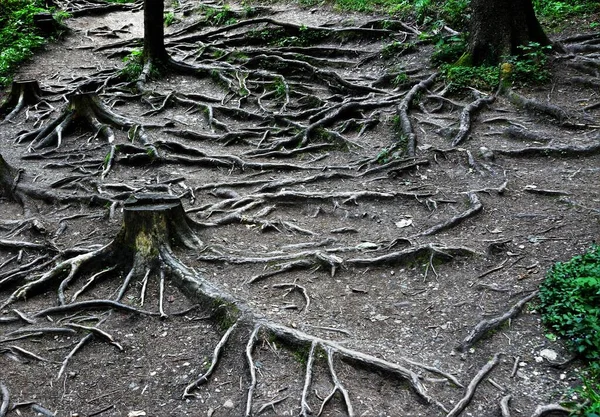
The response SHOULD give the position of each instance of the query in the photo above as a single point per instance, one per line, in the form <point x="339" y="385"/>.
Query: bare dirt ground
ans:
<point x="289" y="153"/>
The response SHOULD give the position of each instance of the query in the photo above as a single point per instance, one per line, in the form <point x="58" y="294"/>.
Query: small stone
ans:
<point x="228" y="404"/>
<point x="539" y="359"/>
<point x="549" y="354"/>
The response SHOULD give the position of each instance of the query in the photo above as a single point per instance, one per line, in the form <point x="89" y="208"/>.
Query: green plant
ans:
<point x="460" y="77"/>
<point x="449" y="50"/>
<point x="219" y="16"/>
<point x="589" y="397"/>
<point x="397" y="48"/>
<point x="18" y="34"/>
<point x="531" y="66"/>
<point x="169" y="18"/>
<point x="400" y="79"/>
<point x="570" y="303"/>
<point x="60" y="16"/>
<point x="280" y="88"/>
<point x="134" y="64"/>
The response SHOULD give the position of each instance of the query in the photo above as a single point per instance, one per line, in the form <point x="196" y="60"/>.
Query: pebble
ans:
<point x="228" y="404"/>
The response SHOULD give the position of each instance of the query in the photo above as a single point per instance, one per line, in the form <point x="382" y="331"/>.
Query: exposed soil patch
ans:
<point x="330" y="208"/>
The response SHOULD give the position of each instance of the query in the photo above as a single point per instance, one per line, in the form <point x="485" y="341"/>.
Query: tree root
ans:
<point x="151" y="225"/>
<point x="475" y="207"/>
<point x="406" y="130"/>
<point x="462" y="404"/>
<point x="89" y="107"/>
<point x="467" y="115"/>
<point x="566" y="151"/>
<point x="141" y="212"/>
<point x="485" y="326"/>
<point x="542" y="410"/>
<point x="426" y="251"/>
<point x="504" y="408"/>
<point x="535" y="106"/>
<point x="5" y="399"/>
<point x="515" y="132"/>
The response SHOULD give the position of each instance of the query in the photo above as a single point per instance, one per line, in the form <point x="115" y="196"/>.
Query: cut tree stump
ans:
<point x="22" y="93"/>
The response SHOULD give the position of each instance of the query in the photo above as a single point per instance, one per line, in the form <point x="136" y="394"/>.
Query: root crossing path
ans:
<point x="286" y="213"/>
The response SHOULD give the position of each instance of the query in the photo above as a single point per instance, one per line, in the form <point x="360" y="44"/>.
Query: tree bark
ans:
<point x="499" y="27"/>
<point x="154" y="31"/>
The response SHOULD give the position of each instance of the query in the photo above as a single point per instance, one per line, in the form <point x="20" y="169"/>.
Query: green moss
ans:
<point x="226" y="313"/>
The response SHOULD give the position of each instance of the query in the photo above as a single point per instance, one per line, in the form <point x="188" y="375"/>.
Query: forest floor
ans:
<point x="289" y="153"/>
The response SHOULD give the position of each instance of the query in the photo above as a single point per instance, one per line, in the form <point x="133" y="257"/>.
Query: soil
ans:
<point x="537" y="208"/>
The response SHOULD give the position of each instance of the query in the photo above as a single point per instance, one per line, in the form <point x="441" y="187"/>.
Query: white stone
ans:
<point x="549" y="354"/>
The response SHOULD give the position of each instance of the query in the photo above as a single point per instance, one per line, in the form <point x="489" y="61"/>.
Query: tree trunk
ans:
<point x="154" y="31"/>
<point x="499" y="27"/>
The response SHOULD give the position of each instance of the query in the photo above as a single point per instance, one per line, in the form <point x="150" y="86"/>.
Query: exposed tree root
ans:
<point x="462" y="404"/>
<point x="135" y="241"/>
<point x="89" y="107"/>
<point x="151" y="225"/>
<point x="485" y="326"/>
<point x="466" y="116"/>
<point x="535" y="106"/>
<point x="515" y="132"/>
<point x="504" y="408"/>
<point x="566" y="151"/>
<point x="406" y="131"/>
<point x="475" y="207"/>
<point x="426" y="251"/>
<point x="5" y="399"/>
<point x="542" y="410"/>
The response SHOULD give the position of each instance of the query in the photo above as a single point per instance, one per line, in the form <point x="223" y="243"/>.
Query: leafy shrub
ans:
<point x="449" y="50"/>
<point x="570" y="303"/>
<point x="18" y="37"/>
<point x="532" y="65"/>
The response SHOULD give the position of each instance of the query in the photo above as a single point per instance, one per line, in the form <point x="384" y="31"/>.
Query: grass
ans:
<point x="18" y="35"/>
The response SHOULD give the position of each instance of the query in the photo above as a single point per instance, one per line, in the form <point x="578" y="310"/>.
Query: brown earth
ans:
<point x="356" y="220"/>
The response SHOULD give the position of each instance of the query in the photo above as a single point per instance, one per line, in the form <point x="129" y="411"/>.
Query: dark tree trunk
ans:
<point x="499" y="27"/>
<point x="154" y="31"/>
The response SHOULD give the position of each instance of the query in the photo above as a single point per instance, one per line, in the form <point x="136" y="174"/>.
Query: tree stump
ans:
<point x="151" y="221"/>
<point x="22" y="93"/>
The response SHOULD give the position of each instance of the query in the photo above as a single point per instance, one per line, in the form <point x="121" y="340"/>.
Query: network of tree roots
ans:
<point x="323" y="228"/>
